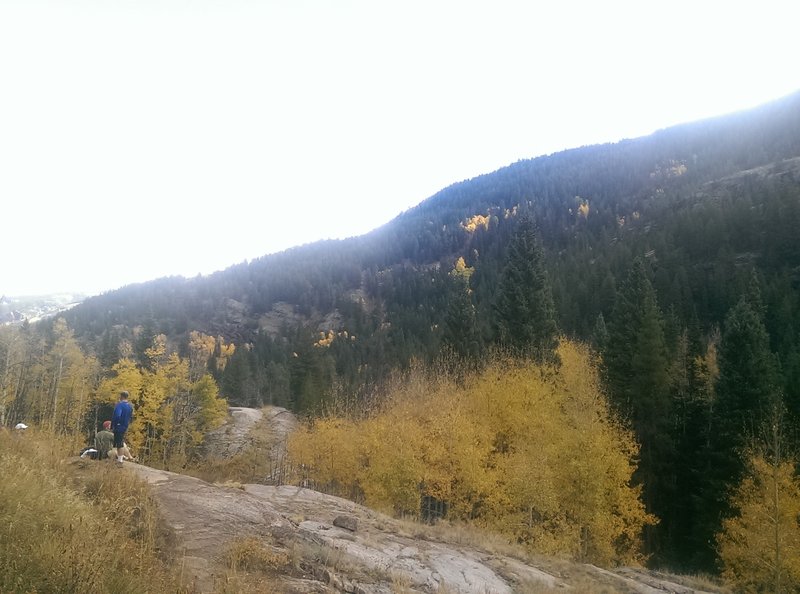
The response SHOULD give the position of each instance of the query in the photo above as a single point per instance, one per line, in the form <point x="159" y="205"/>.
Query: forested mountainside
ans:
<point x="676" y="256"/>
<point x="704" y="204"/>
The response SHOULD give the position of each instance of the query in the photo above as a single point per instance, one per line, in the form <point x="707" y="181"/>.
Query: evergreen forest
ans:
<point x="671" y="262"/>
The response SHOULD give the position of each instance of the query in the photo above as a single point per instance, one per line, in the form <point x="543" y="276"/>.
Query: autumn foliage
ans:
<point x="175" y="402"/>
<point x="760" y="544"/>
<point x="527" y="450"/>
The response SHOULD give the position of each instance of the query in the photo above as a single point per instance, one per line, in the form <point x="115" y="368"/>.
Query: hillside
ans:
<point x="669" y="263"/>
<point x="596" y="207"/>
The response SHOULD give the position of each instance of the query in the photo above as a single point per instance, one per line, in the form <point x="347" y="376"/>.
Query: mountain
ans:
<point x="674" y="256"/>
<point x="701" y="202"/>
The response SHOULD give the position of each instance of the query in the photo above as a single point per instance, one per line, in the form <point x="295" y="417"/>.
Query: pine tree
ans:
<point x="636" y="369"/>
<point x="600" y="333"/>
<point x="460" y="333"/>
<point x="525" y="314"/>
<point x="747" y="386"/>
<point x="746" y="393"/>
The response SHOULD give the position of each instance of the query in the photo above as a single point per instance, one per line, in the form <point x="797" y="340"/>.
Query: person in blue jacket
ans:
<point x="123" y="413"/>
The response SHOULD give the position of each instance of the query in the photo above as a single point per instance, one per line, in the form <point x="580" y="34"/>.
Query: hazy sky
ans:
<point x="141" y="139"/>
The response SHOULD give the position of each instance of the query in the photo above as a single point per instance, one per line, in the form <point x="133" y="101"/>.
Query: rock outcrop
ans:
<point x="344" y="547"/>
<point x="340" y="546"/>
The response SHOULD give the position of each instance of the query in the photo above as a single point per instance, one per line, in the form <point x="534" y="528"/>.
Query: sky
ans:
<point x="149" y="138"/>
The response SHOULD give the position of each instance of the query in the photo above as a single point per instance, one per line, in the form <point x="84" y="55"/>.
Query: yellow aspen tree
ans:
<point x="600" y="455"/>
<point x="126" y="376"/>
<point x="73" y="376"/>
<point x="326" y="452"/>
<point x="222" y="353"/>
<point x="188" y="411"/>
<point x="391" y="469"/>
<point x="129" y="378"/>
<point x="53" y="376"/>
<point x="527" y="450"/>
<point x="210" y="409"/>
<point x="454" y="449"/>
<point x="157" y="353"/>
<point x="173" y="427"/>
<point x="201" y="349"/>
<point x="560" y="462"/>
<point x="11" y="365"/>
<point x="171" y="413"/>
<point x="760" y="546"/>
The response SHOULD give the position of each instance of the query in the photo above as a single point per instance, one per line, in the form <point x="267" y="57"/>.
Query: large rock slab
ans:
<point x="382" y="555"/>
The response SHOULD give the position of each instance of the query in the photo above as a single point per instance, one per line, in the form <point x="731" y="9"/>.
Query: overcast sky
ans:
<point x="141" y="139"/>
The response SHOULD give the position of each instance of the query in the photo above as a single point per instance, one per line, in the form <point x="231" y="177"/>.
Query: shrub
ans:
<point x="531" y="451"/>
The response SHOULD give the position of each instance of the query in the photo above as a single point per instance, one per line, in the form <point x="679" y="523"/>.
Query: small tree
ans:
<point x="760" y="546"/>
<point x="460" y="332"/>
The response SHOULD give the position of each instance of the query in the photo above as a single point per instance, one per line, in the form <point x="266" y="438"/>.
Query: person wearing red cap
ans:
<point x="104" y="441"/>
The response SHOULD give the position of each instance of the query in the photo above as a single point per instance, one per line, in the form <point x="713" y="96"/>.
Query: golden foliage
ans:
<point x="760" y="547"/>
<point x="461" y="269"/>
<point x="475" y="222"/>
<point x="326" y="339"/>
<point x="205" y="351"/>
<point x="530" y="451"/>
<point x="172" y="413"/>
<point x="223" y="353"/>
<point x="57" y="377"/>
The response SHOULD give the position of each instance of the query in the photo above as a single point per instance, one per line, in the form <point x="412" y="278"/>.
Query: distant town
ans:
<point x="18" y="310"/>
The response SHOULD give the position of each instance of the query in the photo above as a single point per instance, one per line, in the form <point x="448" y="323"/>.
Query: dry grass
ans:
<point x="98" y="538"/>
<point x="251" y="554"/>
<point x="250" y="466"/>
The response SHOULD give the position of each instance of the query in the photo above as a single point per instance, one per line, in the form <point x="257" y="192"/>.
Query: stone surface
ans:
<point x="347" y="522"/>
<point x="343" y="546"/>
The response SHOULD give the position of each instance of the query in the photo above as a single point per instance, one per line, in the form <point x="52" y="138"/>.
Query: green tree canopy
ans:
<point x="525" y="314"/>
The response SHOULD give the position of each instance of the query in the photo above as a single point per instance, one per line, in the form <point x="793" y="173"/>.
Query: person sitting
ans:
<point x="104" y="441"/>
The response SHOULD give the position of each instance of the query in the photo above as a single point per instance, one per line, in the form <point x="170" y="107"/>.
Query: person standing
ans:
<point x="123" y="412"/>
<point x="104" y="441"/>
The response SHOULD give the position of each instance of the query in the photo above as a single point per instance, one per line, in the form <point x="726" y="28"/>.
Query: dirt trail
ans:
<point x="339" y="546"/>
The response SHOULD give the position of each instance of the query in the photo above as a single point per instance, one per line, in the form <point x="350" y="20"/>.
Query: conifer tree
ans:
<point x="460" y="333"/>
<point x="600" y="333"/>
<point x="746" y="394"/>
<point x="525" y="314"/>
<point x="747" y="387"/>
<point x="636" y="369"/>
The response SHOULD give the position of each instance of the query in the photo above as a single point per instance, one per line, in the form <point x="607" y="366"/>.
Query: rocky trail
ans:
<point x="333" y="545"/>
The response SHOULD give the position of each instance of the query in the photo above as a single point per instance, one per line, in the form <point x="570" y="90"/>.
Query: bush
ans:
<point x="530" y="451"/>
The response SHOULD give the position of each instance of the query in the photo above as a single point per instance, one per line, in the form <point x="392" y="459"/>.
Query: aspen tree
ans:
<point x="760" y="545"/>
<point x="530" y="451"/>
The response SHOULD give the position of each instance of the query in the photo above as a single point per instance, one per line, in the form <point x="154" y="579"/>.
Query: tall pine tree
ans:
<point x="460" y="333"/>
<point x="636" y="369"/>
<point x="746" y="395"/>
<point x="525" y="314"/>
